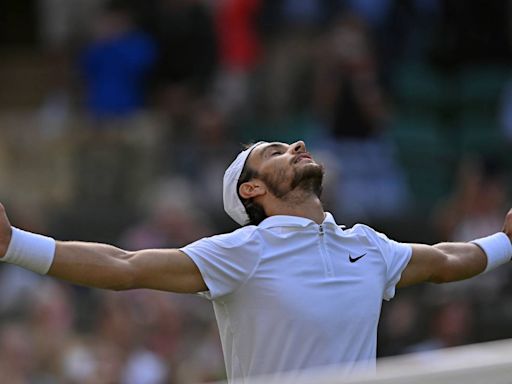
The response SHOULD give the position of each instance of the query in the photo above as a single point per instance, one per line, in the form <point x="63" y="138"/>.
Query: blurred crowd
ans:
<point x="119" y="117"/>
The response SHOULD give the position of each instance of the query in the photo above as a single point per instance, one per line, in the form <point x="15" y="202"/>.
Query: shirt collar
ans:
<point x="294" y="221"/>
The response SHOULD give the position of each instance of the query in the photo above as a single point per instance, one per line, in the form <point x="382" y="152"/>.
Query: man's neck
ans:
<point x="309" y="207"/>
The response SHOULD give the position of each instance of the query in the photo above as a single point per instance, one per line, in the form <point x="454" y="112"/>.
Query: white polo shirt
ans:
<point x="290" y="294"/>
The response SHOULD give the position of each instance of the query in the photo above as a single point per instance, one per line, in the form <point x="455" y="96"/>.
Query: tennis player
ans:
<point x="291" y="289"/>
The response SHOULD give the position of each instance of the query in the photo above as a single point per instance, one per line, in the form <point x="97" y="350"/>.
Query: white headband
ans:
<point x="232" y="203"/>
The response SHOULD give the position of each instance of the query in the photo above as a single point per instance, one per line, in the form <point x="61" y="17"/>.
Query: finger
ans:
<point x="507" y="226"/>
<point x="5" y="231"/>
<point x="3" y="214"/>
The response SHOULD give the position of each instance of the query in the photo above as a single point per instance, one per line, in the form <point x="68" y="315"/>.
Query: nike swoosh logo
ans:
<point x="354" y="259"/>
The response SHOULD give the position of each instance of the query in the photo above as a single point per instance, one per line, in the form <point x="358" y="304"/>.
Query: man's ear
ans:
<point x="251" y="189"/>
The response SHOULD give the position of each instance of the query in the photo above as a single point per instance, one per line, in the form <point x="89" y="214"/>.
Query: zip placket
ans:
<point x="323" y="252"/>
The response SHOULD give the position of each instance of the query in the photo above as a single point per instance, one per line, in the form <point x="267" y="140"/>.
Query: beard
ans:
<point x="307" y="179"/>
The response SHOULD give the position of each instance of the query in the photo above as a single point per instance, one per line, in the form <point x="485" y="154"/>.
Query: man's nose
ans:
<point x="298" y="147"/>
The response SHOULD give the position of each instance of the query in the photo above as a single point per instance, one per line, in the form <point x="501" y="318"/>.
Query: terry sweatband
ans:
<point x="498" y="249"/>
<point x="31" y="251"/>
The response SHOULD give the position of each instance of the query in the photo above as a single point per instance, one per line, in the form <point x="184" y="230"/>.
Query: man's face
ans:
<point x="286" y="167"/>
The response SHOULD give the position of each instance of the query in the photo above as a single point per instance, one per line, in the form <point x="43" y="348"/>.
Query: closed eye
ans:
<point x="274" y="149"/>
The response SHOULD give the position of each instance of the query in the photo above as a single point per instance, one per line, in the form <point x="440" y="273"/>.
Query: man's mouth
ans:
<point x="304" y="156"/>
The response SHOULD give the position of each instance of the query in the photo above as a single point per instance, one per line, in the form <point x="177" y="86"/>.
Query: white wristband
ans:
<point x="30" y="251"/>
<point x="498" y="249"/>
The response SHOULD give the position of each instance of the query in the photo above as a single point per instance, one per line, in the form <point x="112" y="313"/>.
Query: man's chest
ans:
<point x="322" y="281"/>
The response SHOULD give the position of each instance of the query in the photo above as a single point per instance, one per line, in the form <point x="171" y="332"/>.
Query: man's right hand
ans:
<point x="5" y="231"/>
<point x="507" y="226"/>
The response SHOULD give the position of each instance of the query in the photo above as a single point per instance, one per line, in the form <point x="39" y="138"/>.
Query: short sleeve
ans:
<point x="396" y="256"/>
<point x="225" y="261"/>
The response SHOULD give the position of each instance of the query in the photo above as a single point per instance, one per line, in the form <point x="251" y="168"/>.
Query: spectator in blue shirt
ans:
<point x="115" y="64"/>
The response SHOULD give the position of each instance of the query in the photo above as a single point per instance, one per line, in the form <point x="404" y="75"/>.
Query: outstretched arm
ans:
<point x="105" y="266"/>
<point x="446" y="262"/>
